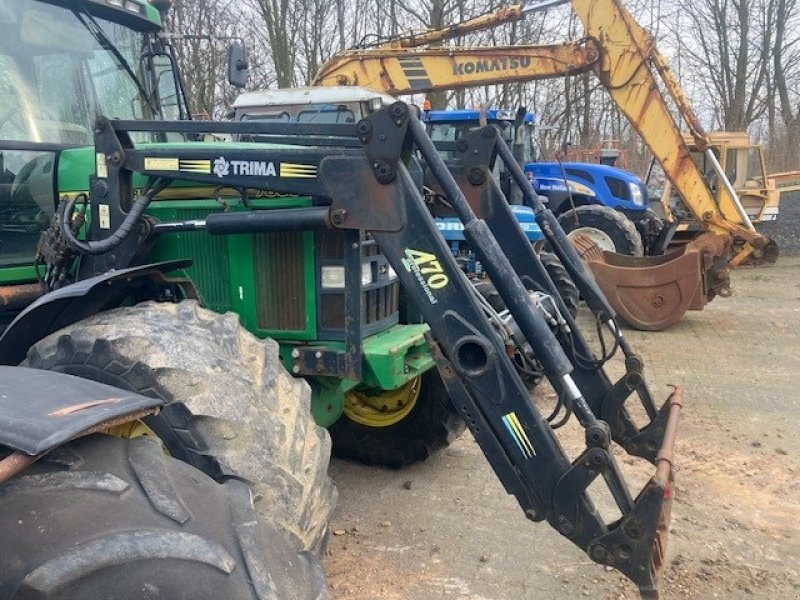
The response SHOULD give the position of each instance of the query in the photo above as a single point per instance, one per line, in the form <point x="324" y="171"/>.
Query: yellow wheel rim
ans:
<point x="135" y="429"/>
<point x="384" y="408"/>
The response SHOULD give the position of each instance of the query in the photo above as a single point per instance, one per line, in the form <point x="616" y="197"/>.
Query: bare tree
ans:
<point x="729" y="46"/>
<point x="201" y="52"/>
<point x="785" y="55"/>
<point x="281" y="19"/>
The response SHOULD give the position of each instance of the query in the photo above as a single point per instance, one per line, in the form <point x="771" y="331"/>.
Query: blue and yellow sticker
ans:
<point x="514" y="427"/>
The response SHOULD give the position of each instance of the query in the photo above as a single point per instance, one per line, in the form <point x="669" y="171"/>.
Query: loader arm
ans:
<point x="359" y="179"/>
<point x="649" y="294"/>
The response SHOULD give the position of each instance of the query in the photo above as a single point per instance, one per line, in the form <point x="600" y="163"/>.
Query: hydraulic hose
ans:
<point x="115" y="239"/>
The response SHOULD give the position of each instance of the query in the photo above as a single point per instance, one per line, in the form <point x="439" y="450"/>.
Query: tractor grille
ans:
<point x="376" y="305"/>
<point x="379" y="300"/>
<point x="210" y="270"/>
<point x="280" y="281"/>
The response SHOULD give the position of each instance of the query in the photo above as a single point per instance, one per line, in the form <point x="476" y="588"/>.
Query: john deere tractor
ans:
<point x="250" y="285"/>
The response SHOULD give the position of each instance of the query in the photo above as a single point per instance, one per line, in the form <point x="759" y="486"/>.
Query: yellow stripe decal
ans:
<point x="196" y="166"/>
<point x="298" y="171"/>
<point x="154" y="163"/>
<point x="514" y="427"/>
<point x="525" y="439"/>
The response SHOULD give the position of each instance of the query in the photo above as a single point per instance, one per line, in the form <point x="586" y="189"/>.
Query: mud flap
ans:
<point x="651" y="292"/>
<point x="637" y="544"/>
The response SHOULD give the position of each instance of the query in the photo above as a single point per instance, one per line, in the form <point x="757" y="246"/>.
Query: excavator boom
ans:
<point x="651" y="292"/>
<point x="399" y="71"/>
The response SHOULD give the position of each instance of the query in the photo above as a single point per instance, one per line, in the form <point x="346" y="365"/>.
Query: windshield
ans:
<point x="452" y="131"/>
<point x="57" y="73"/>
<point x="455" y="130"/>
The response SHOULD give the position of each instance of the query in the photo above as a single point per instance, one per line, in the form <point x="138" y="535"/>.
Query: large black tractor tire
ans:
<point x="117" y="519"/>
<point x="232" y="410"/>
<point x="566" y="288"/>
<point x="430" y="425"/>
<point x="609" y="228"/>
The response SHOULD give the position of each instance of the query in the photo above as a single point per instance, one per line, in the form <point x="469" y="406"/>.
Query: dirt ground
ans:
<point x="446" y="529"/>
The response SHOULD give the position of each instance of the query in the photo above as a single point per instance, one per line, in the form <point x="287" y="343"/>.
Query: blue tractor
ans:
<point x="452" y="230"/>
<point x="603" y="202"/>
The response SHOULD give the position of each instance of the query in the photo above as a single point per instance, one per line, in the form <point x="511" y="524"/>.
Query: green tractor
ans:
<point x="249" y="286"/>
<point x="61" y="67"/>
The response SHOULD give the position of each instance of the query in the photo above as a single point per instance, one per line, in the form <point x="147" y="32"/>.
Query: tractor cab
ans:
<point x="452" y="125"/>
<point x="61" y="66"/>
<point x="344" y="104"/>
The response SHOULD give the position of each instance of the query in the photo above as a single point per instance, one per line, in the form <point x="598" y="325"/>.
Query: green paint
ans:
<point x="327" y="399"/>
<point x="235" y="272"/>
<point x="151" y="13"/>
<point x="24" y="274"/>
<point x="392" y="358"/>
<point x="225" y="267"/>
<point x="395" y="356"/>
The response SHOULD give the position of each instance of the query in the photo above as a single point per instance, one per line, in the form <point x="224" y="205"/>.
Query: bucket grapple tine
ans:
<point x="478" y="372"/>
<point x="637" y="544"/>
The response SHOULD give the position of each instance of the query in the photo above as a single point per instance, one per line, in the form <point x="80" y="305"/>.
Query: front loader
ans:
<point x="360" y="191"/>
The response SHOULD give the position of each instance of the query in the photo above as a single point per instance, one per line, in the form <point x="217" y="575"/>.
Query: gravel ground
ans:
<point x="445" y="528"/>
<point x="786" y="229"/>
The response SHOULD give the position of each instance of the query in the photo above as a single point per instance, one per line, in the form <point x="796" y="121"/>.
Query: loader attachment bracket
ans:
<point x="636" y="544"/>
<point x="645" y="443"/>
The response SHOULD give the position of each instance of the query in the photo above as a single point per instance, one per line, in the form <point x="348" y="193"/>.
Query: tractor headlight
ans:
<point x="366" y="274"/>
<point x="332" y="276"/>
<point x="636" y="194"/>
<point x="579" y="188"/>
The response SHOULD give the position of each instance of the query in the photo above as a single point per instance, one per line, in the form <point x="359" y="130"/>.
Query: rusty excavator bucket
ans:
<point x="652" y="293"/>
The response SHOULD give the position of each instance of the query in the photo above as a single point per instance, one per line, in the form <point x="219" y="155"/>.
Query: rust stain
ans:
<point x="68" y="410"/>
<point x="19" y="296"/>
<point x="15" y="463"/>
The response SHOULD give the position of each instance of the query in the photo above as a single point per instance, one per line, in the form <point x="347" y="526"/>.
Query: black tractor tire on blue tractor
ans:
<point x="231" y="411"/>
<point x="558" y="274"/>
<point x="566" y="287"/>
<point x="611" y="229"/>
<point x="104" y="517"/>
<point x="431" y="424"/>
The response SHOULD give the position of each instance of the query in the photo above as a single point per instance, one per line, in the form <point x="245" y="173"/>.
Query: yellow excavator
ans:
<point x="652" y="292"/>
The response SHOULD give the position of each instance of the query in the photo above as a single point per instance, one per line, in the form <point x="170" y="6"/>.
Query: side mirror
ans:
<point x="237" y="65"/>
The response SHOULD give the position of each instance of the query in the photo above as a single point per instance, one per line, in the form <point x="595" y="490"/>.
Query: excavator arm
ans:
<point x="648" y="293"/>
<point x="399" y="71"/>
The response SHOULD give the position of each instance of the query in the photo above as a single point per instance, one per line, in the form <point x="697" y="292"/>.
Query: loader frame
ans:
<point x="358" y="178"/>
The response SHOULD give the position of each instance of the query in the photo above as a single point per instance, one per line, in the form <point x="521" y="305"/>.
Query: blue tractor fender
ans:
<point x="75" y="302"/>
